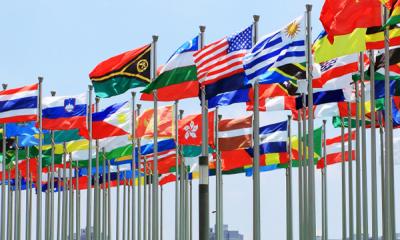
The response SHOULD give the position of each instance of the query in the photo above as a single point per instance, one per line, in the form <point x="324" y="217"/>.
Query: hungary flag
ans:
<point x="120" y="73"/>
<point x="178" y="77"/>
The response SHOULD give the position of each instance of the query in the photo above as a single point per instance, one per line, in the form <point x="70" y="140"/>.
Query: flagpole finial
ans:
<point x="202" y="28"/>
<point x="52" y="93"/>
<point x="97" y="99"/>
<point x="90" y="87"/>
<point x="133" y="94"/>
<point x="324" y="121"/>
<point x="155" y="38"/>
<point x="309" y="7"/>
<point x="256" y="18"/>
<point x="219" y="117"/>
<point x="289" y="117"/>
<point x="138" y="106"/>
<point x="4" y="86"/>
<point x="40" y="78"/>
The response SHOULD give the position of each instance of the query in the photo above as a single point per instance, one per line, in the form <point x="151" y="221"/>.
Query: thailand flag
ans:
<point x="115" y="120"/>
<point x="19" y="104"/>
<point x="64" y="112"/>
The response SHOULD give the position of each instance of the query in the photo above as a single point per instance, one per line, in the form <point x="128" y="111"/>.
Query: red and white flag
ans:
<point x="190" y="129"/>
<point x="235" y="133"/>
<point x="334" y="150"/>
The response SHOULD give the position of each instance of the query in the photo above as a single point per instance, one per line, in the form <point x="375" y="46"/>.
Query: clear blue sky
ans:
<point x="63" y="40"/>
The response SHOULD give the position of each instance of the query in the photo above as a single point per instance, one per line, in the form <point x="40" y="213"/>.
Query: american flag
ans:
<point x="223" y="58"/>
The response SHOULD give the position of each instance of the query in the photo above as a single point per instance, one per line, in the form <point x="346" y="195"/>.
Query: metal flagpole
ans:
<point x="218" y="176"/>
<point x="65" y="196"/>
<point x="59" y="205"/>
<point x="256" y="147"/>
<point x="374" y="191"/>
<point x="89" y="174"/>
<point x="344" y="217"/>
<point x="153" y="73"/>
<point x="71" y="200"/>
<point x="39" y="170"/>
<point x="382" y="149"/>
<point x="311" y="174"/>
<point x="191" y="211"/>
<point x="78" y="203"/>
<point x="139" y="201"/>
<point x="104" y="196"/>
<point x="186" y="206"/>
<point x="109" y="230"/>
<point x="305" y="169"/>
<point x="51" y="217"/>
<point x="117" y="210"/>
<point x="364" y="153"/>
<point x="96" y="208"/>
<point x="176" y="172"/>
<point x="161" y="213"/>
<point x="134" y="168"/>
<point x="3" y="181"/>
<point x="221" y="190"/>
<point x="10" y="208"/>
<point x="29" y="216"/>
<point x="358" y="166"/>
<point x="324" y="186"/>
<point x="28" y="192"/>
<point x="149" y="223"/>
<point x="124" y="208"/>
<point x="146" y="182"/>
<point x="17" y="193"/>
<point x="204" y="199"/>
<point x="289" y="205"/>
<point x="47" y="206"/>
<point x="300" y="173"/>
<point x="182" y="191"/>
<point x="350" y="165"/>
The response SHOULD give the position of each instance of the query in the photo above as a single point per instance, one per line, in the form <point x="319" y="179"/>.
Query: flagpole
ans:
<point x="89" y="184"/>
<point x="10" y="208"/>
<point x="382" y="152"/>
<point x="46" y="204"/>
<point x="3" y="181"/>
<point x="191" y="211"/>
<point x="161" y="213"/>
<point x="358" y="166"/>
<point x="134" y="168"/>
<point x="289" y="204"/>
<point x="324" y="187"/>
<point x="104" y="207"/>
<point x="300" y="173"/>
<point x="124" y="208"/>
<point x="39" y="170"/>
<point x="305" y="169"/>
<point x="204" y="201"/>
<point x="59" y="227"/>
<point x="311" y="173"/>
<point x="96" y="219"/>
<point x="109" y="231"/>
<point x="344" y="217"/>
<point x="155" y="206"/>
<point x="78" y="203"/>
<point x="17" y="193"/>
<point x="51" y="219"/>
<point x="176" y="171"/>
<point x="218" y="175"/>
<point x="65" y="196"/>
<point x="71" y="200"/>
<point x="28" y="192"/>
<point x="186" y="205"/>
<point x="149" y="192"/>
<point x="182" y="190"/>
<point x="350" y="166"/>
<point x="139" y="202"/>
<point x="117" y="209"/>
<point x="29" y="216"/>
<point x="146" y="182"/>
<point x="256" y="147"/>
<point x="374" y="200"/>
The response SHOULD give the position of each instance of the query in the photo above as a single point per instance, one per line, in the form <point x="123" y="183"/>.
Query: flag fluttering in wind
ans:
<point x="19" y="104"/>
<point x="190" y="129"/>
<point x="120" y="73"/>
<point x="65" y="112"/>
<point x="235" y="133"/>
<point x="145" y="123"/>
<point x="178" y="77"/>
<point x="394" y="14"/>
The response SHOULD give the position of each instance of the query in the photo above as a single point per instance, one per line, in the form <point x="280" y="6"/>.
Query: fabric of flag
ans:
<point x="190" y="129"/>
<point x="227" y="98"/>
<point x="323" y="97"/>
<point x="317" y="136"/>
<point x="120" y="73"/>
<point x="178" y="77"/>
<point x="359" y="40"/>
<point x="285" y="46"/>
<point x="64" y="112"/>
<point x="167" y="178"/>
<point x="334" y="150"/>
<point x="394" y="58"/>
<point x="280" y="103"/>
<point x="19" y="104"/>
<point x="115" y="120"/>
<point x="235" y="133"/>
<point x="27" y="133"/>
<point x="235" y="159"/>
<point x="394" y="14"/>
<point x="145" y="123"/>
<point x="341" y="17"/>
<point x="284" y="73"/>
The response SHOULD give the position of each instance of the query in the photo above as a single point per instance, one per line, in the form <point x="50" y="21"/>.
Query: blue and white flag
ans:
<point x="282" y="47"/>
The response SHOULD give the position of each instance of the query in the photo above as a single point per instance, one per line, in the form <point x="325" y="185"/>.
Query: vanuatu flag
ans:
<point x="120" y="73"/>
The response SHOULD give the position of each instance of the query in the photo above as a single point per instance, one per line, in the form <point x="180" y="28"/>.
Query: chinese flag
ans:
<point x="341" y="17"/>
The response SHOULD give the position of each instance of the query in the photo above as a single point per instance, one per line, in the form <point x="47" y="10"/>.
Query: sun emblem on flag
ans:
<point x="122" y="118"/>
<point x="292" y="29"/>
<point x="190" y="130"/>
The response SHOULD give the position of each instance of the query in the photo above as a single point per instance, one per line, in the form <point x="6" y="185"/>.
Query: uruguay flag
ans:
<point x="115" y="120"/>
<point x="64" y="112"/>
<point x="19" y="104"/>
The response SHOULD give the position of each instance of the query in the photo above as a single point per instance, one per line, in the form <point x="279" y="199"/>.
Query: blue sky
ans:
<point x="64" y="40"/>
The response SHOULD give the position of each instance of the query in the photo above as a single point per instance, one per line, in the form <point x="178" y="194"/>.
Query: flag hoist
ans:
<point x="39" y="171"/>
<point x="3" y="181"/>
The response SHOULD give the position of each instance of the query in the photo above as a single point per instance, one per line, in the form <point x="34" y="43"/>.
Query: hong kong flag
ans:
<point x="190" y="128"/>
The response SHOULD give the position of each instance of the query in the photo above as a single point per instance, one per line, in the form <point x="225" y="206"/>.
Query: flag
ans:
<point x="285" y="46"/>
<point x="178" y="77"/>
<point x="231" y="97"/>
<point x="120" y="73"/>
<point x="220" y="64"/>
<point x="394" y="58"/>
<point x="341" y="17"/>
<point x="190" y="130"/>
<point x="167" y="178"/>
<point x="145" y="123"/>
<point x="394" y="14"/>
<point x="359" y="40"/>
<point x="19" y="104"/>
<point x="115" y="120"/>
<point x="280" y="103"/>
<point x="63" y="113"/>
<point x="323" y="97"/>
<point x="334" y="150"/>
<point x="317" y="136"/>
<point x="27" y="133"/>
<point x="235" y="133"/>
<point x="235" y="159"/>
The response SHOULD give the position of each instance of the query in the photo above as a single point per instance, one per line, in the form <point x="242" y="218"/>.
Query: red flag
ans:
<point x="235" y="133"/>
<point x="190" y="129"/>
<point x="167" y="179"/>
<point x="341" y="17"/>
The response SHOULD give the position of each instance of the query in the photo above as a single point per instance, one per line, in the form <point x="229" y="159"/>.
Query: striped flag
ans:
<point x="282" y="47"/>
<point x="235" y="133"/>
<point x="334" y="149"/>
<point x="19" y="104"/>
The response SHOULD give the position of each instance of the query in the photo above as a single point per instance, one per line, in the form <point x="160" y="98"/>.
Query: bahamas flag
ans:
<point x="120" y="73"/>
